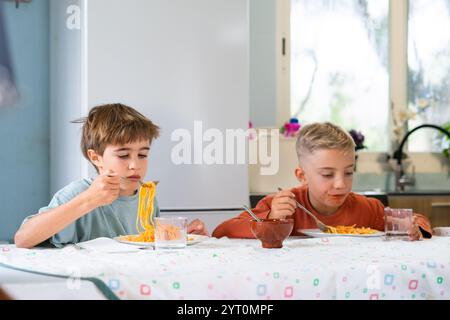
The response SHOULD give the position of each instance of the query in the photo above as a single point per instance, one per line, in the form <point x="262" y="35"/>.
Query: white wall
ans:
<point x="263" y="96"/>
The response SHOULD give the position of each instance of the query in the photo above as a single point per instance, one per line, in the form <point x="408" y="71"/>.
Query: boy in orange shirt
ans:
<point x="326" y="155"/>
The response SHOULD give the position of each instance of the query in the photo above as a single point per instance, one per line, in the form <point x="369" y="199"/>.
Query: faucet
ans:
<point x="401" y="179"/>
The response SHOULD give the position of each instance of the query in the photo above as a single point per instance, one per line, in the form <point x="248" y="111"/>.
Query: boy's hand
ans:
<point x="283" y="205"/>
<point x="197" y="227"/>
<point x="414" y="232"/>
<point x="105" y="189"/>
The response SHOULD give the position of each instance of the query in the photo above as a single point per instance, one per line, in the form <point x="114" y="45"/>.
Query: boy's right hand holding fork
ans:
<point x="283" y="205"/>
<point x="103" y="190"/>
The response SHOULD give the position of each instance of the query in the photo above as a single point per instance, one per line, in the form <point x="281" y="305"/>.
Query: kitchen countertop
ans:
<point x="420" y="193"/>
<point x="389" y="193"/>
<point x="383" y="196"/>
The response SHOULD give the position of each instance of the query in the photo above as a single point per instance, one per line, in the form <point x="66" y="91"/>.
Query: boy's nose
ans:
<point x="133" y="165"/>
<point x="339" y="183"/>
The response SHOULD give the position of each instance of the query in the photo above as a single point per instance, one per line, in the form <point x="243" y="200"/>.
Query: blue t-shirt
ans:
<point x="115" y="219"/>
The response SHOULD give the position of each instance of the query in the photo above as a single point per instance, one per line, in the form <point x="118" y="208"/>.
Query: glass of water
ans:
<point x="397" y="223"/>
<point x="170" y="232"/>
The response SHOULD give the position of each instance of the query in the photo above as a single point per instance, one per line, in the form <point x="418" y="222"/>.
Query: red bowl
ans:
<point x="272" y="232"/>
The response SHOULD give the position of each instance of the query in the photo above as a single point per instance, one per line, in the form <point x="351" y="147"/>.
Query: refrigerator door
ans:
<point x="185" y="65"/>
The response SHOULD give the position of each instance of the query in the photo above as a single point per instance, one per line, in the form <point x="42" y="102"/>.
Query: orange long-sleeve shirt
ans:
<point x="356" y="209"/>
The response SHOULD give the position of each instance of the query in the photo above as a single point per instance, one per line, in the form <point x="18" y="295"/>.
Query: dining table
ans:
<point x="305" y="268"/>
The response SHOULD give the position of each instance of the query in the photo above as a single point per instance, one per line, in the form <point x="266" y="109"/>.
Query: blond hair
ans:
<point x="325" y="135"/>
<point x="115" y="124"/>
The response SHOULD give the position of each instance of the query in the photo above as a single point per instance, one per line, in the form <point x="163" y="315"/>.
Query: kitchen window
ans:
<point x="370" y="65"/>
<point x="429" y="69"/>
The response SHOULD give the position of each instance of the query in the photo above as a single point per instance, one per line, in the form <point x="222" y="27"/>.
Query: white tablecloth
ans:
<point x="325" y="268"/>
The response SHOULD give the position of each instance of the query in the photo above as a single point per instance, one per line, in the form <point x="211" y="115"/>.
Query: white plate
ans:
<point x="192" y="239"/>
<point x="442" y="231"/>
<point x="317" y="233"/>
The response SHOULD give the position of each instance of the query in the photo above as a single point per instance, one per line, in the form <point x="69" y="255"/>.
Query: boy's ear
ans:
<point x="300" y="174"/>
<point x="94" y="158"/>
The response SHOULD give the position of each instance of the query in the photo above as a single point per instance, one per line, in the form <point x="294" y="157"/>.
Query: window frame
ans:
<point x="398" y="63"/>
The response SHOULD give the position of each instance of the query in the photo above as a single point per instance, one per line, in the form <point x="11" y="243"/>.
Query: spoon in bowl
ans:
<point x="251" y="213"/>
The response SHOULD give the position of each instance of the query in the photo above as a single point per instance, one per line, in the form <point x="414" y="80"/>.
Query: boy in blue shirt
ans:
<point x="116" y="139"/>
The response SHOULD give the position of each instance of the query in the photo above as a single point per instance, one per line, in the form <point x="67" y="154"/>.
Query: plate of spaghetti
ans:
<point x="346" y="231"/>
<point x="145" y="222"/>
<point x="191" y="239"/>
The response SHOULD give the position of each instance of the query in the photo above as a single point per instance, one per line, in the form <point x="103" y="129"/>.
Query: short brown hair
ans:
<point x="115" y="124"/>
<point x="325" y="135"/>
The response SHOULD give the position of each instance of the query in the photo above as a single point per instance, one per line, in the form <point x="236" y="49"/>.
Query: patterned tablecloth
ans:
<point x="322" y="268"/>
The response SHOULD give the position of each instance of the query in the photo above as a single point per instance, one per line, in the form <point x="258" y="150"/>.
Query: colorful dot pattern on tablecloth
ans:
<point x="145" y="290"/>
<point x="176" y="285"/>
<point x="304" y="269"/>
<point x="114" y="284"/>
<point x="389" y="279"/>
<point x="413" y="284"/>
<point x="261" y="290"/>
<point x="289" y="292"/>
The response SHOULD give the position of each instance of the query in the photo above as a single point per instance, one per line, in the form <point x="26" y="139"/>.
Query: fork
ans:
<point x="142" y="183"/>
<point x="322" y="226"/>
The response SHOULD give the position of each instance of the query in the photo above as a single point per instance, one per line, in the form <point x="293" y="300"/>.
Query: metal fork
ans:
<point x="142" y="183"/>
<point x="322" y="226"/>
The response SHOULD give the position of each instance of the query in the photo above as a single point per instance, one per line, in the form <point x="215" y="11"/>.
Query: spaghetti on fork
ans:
<point x="145" y="224"/>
